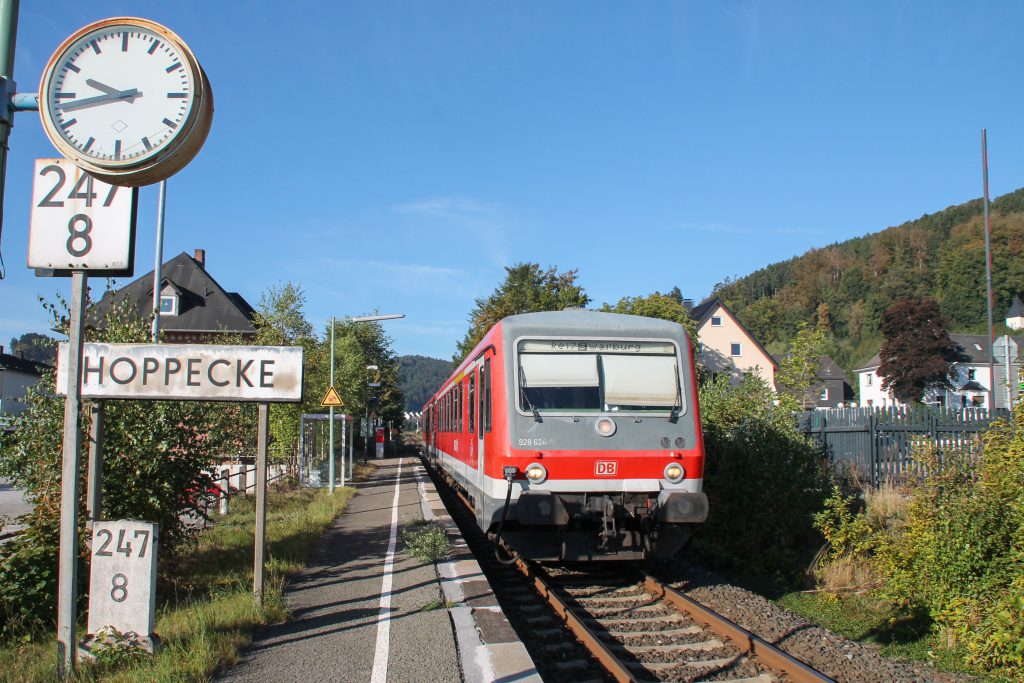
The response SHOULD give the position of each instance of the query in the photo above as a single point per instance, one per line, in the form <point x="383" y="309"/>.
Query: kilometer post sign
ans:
<point x="80" y="223"/>
<point x="187" y="372"/>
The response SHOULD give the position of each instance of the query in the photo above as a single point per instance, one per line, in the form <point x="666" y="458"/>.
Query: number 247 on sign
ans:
<point x="79" y="222"/>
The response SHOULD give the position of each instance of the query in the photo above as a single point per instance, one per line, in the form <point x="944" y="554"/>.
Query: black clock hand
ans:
<point x="101" y="87"/>
<point x="116" y="96"/>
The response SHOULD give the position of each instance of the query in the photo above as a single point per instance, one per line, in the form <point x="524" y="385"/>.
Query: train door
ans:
<point x="479" y="375"/>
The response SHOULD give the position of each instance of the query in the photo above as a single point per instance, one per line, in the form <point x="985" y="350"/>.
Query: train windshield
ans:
<point x="598" y="376"/>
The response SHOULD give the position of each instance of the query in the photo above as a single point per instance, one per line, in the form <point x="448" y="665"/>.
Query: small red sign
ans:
<point x="605" y="468"/>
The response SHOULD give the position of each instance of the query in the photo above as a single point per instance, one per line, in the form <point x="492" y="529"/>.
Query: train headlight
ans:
<point x="674" y="472"/>
<point x="535" y="473"/>
<point x="605" y="426"/>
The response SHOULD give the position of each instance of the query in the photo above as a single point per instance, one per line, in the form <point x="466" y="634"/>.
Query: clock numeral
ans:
<point x="79" y="234"/>
<point x="48" y="201"/>
<point x="77" y="191"/>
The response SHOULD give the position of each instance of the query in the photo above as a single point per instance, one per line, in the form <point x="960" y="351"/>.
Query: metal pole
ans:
<point x="158" y="268"/>
<point x="94" y="487"/>
<point x="8" y="39"/>
<point x="259" y="568"/>
<point x="67" y="586"/>
<point x="351" y="444"/>
<point x="988" y="277"/>
<point x="343" y="421"/>
<point x="330" y="454"/>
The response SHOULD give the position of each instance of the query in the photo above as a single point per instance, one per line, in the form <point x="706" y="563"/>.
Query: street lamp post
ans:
<point x="331" y="469"/>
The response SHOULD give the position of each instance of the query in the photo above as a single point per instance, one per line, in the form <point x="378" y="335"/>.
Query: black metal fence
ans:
<point x="875" y="443"/>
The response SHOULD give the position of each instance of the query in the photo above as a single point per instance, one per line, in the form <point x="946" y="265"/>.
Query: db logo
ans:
<point x="605" y="468"/>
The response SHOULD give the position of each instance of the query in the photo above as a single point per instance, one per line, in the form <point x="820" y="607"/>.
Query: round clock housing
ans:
<point x="126" y="100"/>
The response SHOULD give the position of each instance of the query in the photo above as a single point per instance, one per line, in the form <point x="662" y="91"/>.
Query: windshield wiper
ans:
<point x="533" y="408"/>
<point x="673" y="416"/>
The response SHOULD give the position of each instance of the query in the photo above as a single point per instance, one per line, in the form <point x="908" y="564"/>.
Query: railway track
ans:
<point x="617" y="623"/>
<point x="640" y="629"/>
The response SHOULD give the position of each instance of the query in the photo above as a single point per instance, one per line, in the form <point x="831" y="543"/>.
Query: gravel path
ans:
<point x="840" y="658"/>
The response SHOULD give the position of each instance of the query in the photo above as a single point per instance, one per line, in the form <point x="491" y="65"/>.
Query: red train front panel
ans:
<point x="591" y="420"/>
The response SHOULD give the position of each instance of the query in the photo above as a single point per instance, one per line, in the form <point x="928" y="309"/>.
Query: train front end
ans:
<point x="603" y="457"/>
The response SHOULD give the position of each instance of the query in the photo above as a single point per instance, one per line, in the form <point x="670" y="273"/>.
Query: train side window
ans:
<point x="487" y="396"/>
<point x="458" y="407"/>
<point x="470" y="403"/>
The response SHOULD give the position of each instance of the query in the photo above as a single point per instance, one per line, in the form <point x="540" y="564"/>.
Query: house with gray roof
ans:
<point x="725" y="346"/>
<point x="973" y="379"/>
<point x="17" y="375"/>
<point x="194" y="308"/>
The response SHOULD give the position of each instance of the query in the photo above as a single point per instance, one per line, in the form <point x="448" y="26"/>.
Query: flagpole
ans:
<point x="988" y="277"/>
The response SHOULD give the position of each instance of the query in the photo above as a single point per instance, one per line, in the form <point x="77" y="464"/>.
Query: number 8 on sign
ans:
<point x="80" y="223"/>
<point x="119" y="593"/>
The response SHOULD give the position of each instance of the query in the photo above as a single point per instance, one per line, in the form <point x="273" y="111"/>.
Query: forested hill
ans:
<point x="420" y="377"/>
<point x="850" y="284"/>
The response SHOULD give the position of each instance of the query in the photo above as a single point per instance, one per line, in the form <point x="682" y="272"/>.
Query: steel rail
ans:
<point x="588" y="638"/>
<point x="745" y="641"/>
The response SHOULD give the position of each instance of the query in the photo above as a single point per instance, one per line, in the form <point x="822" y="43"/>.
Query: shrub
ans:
<point x="764" y="481"/>
<point x="427" y="542"/>
<point x="155" y="452"/>
<point x="957" y="549"/>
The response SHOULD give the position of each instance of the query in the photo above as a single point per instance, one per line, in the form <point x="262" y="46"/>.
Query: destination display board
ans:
<point x="189" y="372"/>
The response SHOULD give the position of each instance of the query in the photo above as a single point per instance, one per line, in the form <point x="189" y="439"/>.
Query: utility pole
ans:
<point x="988" y="279"/>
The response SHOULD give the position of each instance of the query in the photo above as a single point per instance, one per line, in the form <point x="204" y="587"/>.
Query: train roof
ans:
<point x="579" y="322"/>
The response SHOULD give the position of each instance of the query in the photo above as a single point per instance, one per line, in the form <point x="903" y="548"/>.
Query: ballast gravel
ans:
<point x="845" y="660"/>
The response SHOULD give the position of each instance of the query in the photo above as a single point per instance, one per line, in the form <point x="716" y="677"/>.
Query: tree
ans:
<point x="420" y="377"/>
<point x="798" y="370"/>
<point x="37" y="347"/>
<point x="280" y="321"/>
<point x="526" y="289"/>
<point x="657" y="305"/>
<point x="917" y="352"/>
<point x="357" y="345"/>
<point x="157" y="455"/>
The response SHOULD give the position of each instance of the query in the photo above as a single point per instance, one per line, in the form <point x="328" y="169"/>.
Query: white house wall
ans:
<point x="719" y="340"/>
<point x="13" y="386"/>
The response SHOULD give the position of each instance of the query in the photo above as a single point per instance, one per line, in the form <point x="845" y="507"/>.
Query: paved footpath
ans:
<point x="364" y="610"/>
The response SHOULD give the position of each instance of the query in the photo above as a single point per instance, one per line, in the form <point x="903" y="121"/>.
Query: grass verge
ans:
<point x="206" y="612"/>
<point x="896" y="632"/>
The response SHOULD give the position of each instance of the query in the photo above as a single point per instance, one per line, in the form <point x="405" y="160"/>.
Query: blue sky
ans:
<point x="397" y="155"/>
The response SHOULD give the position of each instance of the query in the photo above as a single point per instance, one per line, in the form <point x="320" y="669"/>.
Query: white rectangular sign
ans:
<point x="189" y="372"/>
<point x="122" y="577"/>
<point x="79" y="222"/>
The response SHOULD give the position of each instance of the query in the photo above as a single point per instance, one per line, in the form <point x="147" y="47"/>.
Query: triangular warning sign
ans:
<point x="331" y="399"/>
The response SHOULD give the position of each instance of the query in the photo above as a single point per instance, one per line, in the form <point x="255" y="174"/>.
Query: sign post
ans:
<point x="67" y="587"/>
<point x="259" y="551"/>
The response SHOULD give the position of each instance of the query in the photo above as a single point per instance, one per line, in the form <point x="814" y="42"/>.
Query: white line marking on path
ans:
<point x="380" y="654"/>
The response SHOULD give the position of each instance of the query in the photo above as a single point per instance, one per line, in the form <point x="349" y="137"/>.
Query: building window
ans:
<point x="716" y="321"/>
<point x="869" y="378"/>
<point x="735" y="349"/>
<point x="824" y="394"/>
<point x="168" y="305"/>
<point x="977" y="401"/>
<point x="971" y="373"/>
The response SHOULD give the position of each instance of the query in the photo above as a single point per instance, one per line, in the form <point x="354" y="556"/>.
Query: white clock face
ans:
<point x="120" y="94"/>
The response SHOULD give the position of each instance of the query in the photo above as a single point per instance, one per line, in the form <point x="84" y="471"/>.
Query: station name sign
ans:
<point x="187" y="372"/>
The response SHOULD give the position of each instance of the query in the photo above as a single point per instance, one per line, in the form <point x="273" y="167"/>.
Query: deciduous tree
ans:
<point x="917" y="352"/>
<point x="527" y="289"/>
<point x="798" y="370"/>
<point x="656" y="305"/>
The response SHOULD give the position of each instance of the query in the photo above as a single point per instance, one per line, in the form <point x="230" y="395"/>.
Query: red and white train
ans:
<point x="575" y="435"/>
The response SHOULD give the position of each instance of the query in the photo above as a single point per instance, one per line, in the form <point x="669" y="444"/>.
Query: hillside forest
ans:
<point x="845" y="287"/>
<point x="420" y="377"/>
